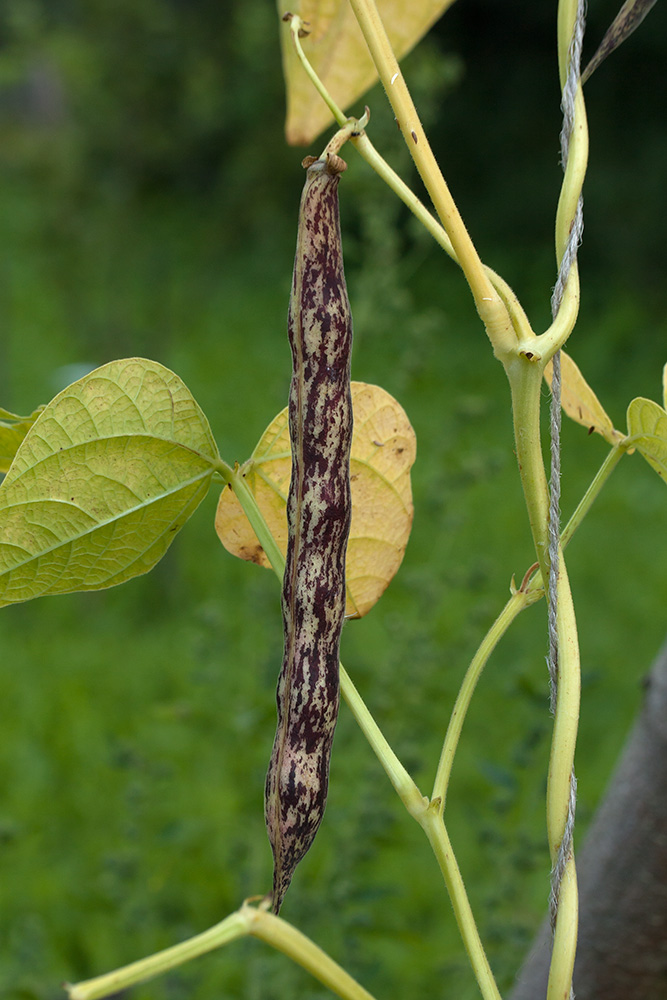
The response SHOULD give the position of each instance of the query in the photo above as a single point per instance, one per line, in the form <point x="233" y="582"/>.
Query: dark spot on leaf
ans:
<point x="252" y="553"/>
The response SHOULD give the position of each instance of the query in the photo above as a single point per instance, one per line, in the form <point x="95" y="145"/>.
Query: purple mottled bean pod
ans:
<point x="318" y="517"/>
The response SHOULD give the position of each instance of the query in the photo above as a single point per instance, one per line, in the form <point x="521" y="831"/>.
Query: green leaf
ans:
<point x="109" y="472"/>
<point x="12" y="431"/>
<point x="647" y="426"/>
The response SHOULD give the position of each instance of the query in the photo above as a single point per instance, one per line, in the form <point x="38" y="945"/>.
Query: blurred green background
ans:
<point x="148" y="207"/>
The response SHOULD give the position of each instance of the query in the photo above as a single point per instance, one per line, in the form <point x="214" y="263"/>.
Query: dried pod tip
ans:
<point x="333" y="164"/>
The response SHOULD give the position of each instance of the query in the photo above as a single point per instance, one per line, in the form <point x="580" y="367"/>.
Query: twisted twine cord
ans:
<point x="566" y="264"/>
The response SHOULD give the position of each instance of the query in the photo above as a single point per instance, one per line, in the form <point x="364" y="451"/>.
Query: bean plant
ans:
<point x="100" y="481"/>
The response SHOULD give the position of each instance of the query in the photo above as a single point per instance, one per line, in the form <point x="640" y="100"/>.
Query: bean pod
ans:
<point x="318" y="516"/>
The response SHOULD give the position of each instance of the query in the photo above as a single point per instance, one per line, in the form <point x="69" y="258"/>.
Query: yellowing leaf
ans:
<point x="102" y="482"/>
<point x="338" y="53"/>
<point x="664" y="386"/>
<point x="647" y="426"/>
<point x="580" y="402"/>
<point x="383" y="452"/>
<point x="12" y="431"/>
<point x="628" y="19"/>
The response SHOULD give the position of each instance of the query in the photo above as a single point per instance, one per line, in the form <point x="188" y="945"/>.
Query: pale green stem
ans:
<point x="516" y="604"/>
<point x="286" y="938"/>
<point x="593" y="491"/>
<point x="577" y="162"/>
<point x="405" y="787"/>
<point x="489" y="303"/>
<point x="249" y="920"/>
<point x="385" y="172"/>
<point x="236" y="925"/>
<point x="525" y="379"/>
<point x="568" y="691"/>
<point x="399" y="777"/>
<point x="434" y="827"/>
<point x="236" y="480"/>
<point x="368" y="152"/>
<point x="566" y="716"/>
<point x="556" y="335"/>
<point x="415" y="803"/>
<point x="526" y="402"/>
<point x="295" y="25"/>
<point x="565" y="936"/>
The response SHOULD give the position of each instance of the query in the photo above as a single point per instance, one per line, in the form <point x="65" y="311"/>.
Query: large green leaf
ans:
<point x="102" y="482"/>
<point x="647" y="426"/>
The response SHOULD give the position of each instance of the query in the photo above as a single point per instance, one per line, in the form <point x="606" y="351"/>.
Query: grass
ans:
<point x="137" y="723"/>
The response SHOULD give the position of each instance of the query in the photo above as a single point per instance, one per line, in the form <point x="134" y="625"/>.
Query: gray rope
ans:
<point x="568" y="259"/>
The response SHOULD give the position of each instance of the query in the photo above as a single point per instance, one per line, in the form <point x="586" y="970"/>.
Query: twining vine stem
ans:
<point x="249" y="921"/>
<point x="427" y="813"/>
<point x="356" y="134"/>
<point x="489" y="303"/>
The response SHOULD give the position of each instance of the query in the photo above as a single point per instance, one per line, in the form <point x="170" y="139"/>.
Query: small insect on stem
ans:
<point x="318" y="517"/>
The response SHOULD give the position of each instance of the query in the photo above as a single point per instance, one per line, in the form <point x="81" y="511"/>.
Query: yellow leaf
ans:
<point x="580" y="402"/>
<point x="664" y="386"/>
<point x="647" y="425"/>
<point x="383" y="452"/>
<point x="338" y="53"/>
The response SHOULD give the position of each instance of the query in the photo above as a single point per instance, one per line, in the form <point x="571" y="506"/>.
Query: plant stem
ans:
<point x="567" y="679"/>
<point x="489" y="304"/>
<point x="434" y="827"/>
<point x="234" y="926"/>
<point x="525" y="379"/>
<point x="516" y="604"/>
<point x="286" y="938"/>
<point x="604" y="472"/>
<point x="565" y="936"/>
<point x="236" y="480"/>
<point x="566" y="715"/>
<point x="519" y="600"/>
<point x="369" y="153"/>
<point x="295" y="25"/>
<point x="248" y="920"/>
<point x="575" y="171"/>
<point x="405" y="787"/>
<point x="536" y="584"/>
